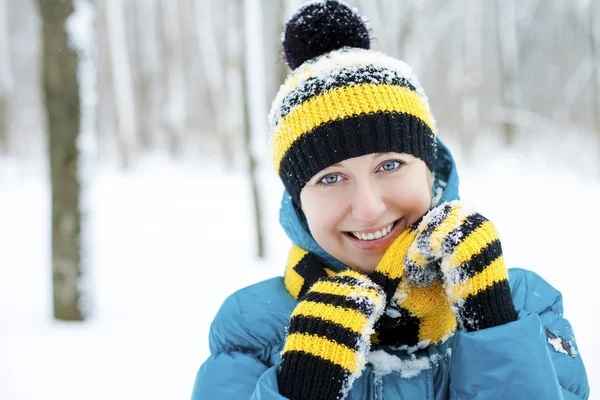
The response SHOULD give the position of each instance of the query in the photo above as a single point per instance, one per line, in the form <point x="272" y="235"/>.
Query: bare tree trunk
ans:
<point x="290" y="7"/>
<point x="472" y="73"/>
<point x="146" y="75"/>
<point x="122" y="81"/>
<point x="193" y="68"/>
<point x="260" y="246"/>
<point x="215" y="64"/>
<point x="4" y="124"/>
<point x="252" y="104"/>
<point x="412" y="49"/>
<point x="6" y="79"/>
<point x="61" y="96"/>
<point x="393" y="23"/>
<point x="175" y="112"/>
<point x="370" y="9"/>
<point x="594" y="25"/>
<point x="276" y="69"/>
<point x="508" y="44"/>
<point x="282" y="67"/>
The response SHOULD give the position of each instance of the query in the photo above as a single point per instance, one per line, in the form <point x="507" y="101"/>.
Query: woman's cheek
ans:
<point x="323" y="216"/>
<point x="414" y="203"/>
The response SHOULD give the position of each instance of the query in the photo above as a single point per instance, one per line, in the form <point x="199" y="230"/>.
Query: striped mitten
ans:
<point x="463" y="250"/>
<point x="329" y="337"/>
<point x="414" y="316"/>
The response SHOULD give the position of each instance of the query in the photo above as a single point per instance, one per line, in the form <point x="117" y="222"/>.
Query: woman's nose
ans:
<point x="367" y="204"/>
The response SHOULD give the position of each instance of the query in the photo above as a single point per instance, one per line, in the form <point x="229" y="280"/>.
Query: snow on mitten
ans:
<point x="462" y="248"/>
<point x="413" y="316"/>
<point x="329" y="337"/>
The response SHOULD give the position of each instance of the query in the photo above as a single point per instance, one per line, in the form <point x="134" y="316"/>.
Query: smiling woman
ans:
<point x="356" y="208"/>
<point x="379" y="265"/>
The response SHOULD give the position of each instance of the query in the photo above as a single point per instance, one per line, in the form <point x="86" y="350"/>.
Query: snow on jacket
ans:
<point x="535" y="357"/>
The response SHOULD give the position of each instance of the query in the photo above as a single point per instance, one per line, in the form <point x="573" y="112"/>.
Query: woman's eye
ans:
<point x="390" y="165"/>
<point x="330" y="179"/>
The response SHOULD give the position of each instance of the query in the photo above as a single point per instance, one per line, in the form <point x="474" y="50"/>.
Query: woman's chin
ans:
<point x="366" y="266"/>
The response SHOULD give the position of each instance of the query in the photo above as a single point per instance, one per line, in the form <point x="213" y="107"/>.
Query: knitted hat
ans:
<point x="342" y="100"/>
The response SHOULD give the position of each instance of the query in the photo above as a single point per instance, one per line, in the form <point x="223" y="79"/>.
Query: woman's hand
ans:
<point x="462" y="248"/>
<point x="329" y="337"/>
<point x="414" y="316"/>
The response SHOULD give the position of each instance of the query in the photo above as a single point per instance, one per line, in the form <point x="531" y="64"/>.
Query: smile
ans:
<point x="373" y="235"/>
<point x="366" y="240"/>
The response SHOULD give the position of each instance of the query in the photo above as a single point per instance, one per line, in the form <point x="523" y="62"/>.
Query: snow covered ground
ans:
<point x="170" y="242"/>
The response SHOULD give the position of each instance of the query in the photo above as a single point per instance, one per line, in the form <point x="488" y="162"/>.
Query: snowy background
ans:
<point x="172" y="240"/>
<point x="172" y="235"/>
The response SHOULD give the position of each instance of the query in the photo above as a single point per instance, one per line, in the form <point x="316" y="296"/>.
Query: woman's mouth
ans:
<point x="373" y="235"/>
<point x="375" y="239"/>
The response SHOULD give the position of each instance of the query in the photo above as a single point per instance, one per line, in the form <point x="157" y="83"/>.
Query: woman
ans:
<point x="393" y="289"/>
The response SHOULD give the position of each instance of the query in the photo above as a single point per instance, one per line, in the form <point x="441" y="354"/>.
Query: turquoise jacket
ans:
<point x="535" y="357"/>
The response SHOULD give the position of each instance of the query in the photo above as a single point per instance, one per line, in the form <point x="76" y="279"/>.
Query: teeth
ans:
<point x="374" y="235"/>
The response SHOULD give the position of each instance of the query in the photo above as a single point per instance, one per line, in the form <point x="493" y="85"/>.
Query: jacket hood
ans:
<point x="445" y="188"/>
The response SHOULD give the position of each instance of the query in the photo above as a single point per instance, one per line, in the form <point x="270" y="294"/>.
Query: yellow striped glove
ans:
<point x="462" y="248"/>
<point x="413" y="316"/>
<point x="329" y="337"/>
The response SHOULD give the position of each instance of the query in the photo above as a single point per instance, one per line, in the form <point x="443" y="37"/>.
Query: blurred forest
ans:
<point x="169" y="74"/>
<point x="86" y="82"/>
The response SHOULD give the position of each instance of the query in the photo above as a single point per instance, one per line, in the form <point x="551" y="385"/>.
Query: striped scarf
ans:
<point x="415" y="317"/>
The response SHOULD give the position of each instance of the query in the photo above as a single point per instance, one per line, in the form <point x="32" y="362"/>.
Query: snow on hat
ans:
<point x="342" y="100"/>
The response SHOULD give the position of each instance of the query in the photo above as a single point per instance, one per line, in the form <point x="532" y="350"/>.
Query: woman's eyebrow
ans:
<point x="377" y="155"/>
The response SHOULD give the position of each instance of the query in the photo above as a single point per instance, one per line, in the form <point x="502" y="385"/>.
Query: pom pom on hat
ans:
<point x="320" y="27"/>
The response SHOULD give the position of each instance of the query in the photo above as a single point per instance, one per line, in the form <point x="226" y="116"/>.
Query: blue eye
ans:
<point x="390" y="165"/>
<point x="330" y="179"/>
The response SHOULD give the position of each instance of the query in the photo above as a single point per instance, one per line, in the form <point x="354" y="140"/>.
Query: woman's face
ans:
<point x="356" y="208"/>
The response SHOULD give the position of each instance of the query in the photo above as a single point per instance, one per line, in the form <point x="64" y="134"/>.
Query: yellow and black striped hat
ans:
<point x="342" y="100"/>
